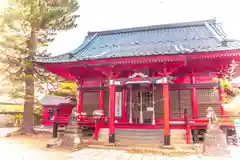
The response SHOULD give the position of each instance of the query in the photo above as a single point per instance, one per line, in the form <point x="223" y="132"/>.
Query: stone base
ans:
<point x="167" y="140"/>
<point x="215" y="142"/>
<point x="72" y="136"/>
<point x="103" y="135"/>
<point x="111" y="138"/>
<point x="167" y="147"/>
<point x="178" y="136"/>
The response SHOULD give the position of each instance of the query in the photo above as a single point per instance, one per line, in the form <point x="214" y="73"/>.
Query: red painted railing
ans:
<point x="86" y="121"/>
<point x="82" y="120"/>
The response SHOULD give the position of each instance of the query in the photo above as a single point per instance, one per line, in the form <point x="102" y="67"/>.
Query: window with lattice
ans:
<point x="207" y="96"/>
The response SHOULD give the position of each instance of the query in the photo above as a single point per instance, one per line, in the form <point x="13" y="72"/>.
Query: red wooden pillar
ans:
<point x="101" y="99"/>
<point x="166" y="111"/>
<point x="80" y="100"/>
<point x="221" y="93"/>
<point x="194" y="99"/>
<point x="112" y="92"/>
<point x="124" y="104"/>
<point x="188" y="130"/>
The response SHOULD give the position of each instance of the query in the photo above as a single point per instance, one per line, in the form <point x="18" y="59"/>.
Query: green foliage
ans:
<point x="18" y="46"/>
<point x="229" y="91"/>
<point x="28" y="25"/>
<point x="67" y="89"/>
<point x="17" y="120"/>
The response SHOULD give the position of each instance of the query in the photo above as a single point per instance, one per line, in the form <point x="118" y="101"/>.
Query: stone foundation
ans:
<point x="72" y="136"/>
<point x="103" y="135"/>
<point x="215" y="142"/>
<point x="178" y="136"/>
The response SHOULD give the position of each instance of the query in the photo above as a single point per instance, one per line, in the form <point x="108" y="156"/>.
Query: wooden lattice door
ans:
<point x="208" y="98"/>
<point x="142" y="100"/>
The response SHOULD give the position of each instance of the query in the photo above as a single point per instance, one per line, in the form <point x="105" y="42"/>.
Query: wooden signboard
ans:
<point x="118" y="104"/>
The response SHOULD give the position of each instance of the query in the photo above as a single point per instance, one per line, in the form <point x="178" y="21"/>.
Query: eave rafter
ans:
<point x="61" y="72"/>
<point x="108" y="71"/>
<point x="121" y="61"/>
<point x="174" y="64"/>
<point x="215" y="55"/>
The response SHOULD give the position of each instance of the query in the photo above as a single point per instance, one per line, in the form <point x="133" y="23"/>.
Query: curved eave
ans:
<point x="71" y="58"/>
<point x="64" y="69"/>
<point x="58" y="71"/>
<point x="145" y="59"/>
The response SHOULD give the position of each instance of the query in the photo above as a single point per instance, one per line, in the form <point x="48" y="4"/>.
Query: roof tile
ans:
<point x="201" y="36"/>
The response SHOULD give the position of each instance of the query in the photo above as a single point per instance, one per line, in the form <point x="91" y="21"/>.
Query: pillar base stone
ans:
<point x="167" y="140"/>
<point x="111" y="138"/>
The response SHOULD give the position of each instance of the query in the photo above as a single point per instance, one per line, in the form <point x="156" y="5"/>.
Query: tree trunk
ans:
<point x="27" y="126"/>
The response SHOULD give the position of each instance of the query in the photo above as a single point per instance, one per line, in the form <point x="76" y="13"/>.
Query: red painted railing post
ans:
<point x="101" y="98"/>
<point x="96" y="130"/>
<point x="187" y="127"/>
<point x="55" y="125"/>
<point x="98" y="126"/>
<point x="221" y="93"/>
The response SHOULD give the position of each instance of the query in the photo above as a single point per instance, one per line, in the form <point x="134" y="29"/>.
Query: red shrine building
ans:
<point x="154" y="79"/>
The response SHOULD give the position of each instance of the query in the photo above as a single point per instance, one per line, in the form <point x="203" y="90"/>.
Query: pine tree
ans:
<point x="28" y="26"/>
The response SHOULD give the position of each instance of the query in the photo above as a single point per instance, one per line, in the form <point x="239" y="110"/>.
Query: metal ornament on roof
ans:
<point x="145" y="77"/>
<point x="138" y="75"/>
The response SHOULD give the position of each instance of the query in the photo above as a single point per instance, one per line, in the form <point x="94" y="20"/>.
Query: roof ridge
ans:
<point x="82" y="46"/>
<point x="153" y="27"/>
<point x="220" y="32"/>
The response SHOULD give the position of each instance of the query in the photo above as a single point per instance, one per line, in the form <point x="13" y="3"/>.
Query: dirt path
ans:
<point x="27" y="147"/>
<point x="32" y="147"/>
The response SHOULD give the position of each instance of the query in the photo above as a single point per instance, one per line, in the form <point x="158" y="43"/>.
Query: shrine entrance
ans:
<point x="141" y="104"/>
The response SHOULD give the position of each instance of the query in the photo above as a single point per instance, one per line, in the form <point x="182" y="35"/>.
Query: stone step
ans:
<point x="139" y="132"/>
<point x="178" y="141"/>
<point x="144" y="136"/>
<point x="137" y="137"/>
<point x="139" y="141"/>
<point x="150" y="140"/>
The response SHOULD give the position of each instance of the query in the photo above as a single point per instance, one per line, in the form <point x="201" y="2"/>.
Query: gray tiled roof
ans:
<point x="167" y="39"/>
<point x="53" y="100"/>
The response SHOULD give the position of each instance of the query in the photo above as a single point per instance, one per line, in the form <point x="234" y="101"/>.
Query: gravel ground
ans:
<point x="14" y="151"/>
<point x="103" y="154"/>
<point x="25" y="148"/>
